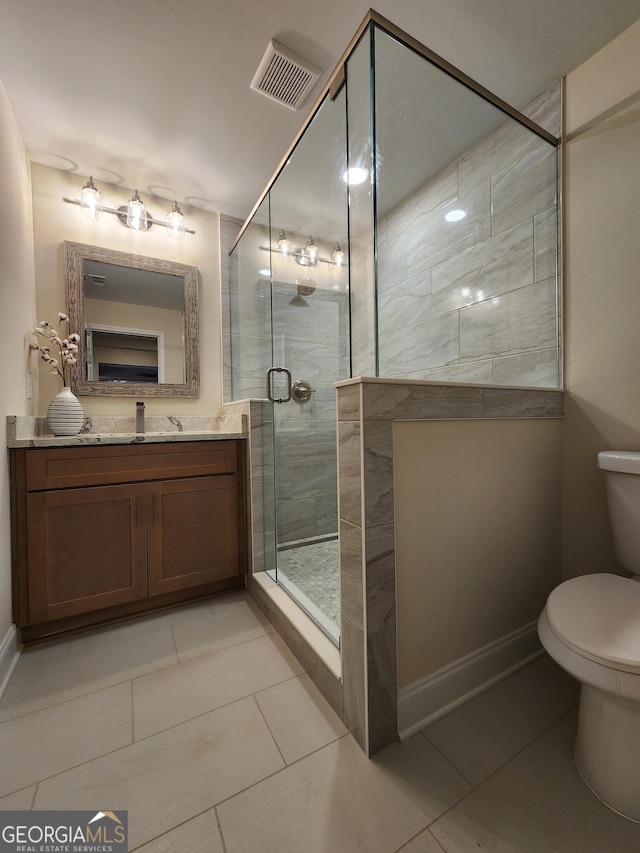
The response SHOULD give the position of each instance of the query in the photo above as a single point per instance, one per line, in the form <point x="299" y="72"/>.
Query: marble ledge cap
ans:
<point x="440" y="383"/>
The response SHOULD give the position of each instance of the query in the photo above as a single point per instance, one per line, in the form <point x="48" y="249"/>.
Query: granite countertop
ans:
<point x="33" y="432"/>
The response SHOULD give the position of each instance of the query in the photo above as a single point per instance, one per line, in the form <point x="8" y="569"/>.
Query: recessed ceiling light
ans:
<point x="455" y="215"/>
<point x="355" y="175"/>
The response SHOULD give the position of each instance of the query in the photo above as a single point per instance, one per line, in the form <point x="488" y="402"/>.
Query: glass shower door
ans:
<point x="310" y="352"/>
<point x="307" y="359"/>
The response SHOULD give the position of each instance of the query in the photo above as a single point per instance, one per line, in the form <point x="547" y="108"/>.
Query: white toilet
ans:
<point x="591" y="627"/>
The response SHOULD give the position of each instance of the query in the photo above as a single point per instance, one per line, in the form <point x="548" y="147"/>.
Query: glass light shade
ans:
<point x="175" y="222"/>
<point x="136" y="213"/>
<point x="91" y="200"/>
<point x="337" y="255"/>
<point x="312" y="252"/>
<point x="284" y="245"/>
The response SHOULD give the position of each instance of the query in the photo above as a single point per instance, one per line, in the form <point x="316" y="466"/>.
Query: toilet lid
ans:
<point x="598" y="616"/>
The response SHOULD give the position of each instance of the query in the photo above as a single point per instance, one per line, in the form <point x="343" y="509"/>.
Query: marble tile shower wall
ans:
<point x="476" y="300"/>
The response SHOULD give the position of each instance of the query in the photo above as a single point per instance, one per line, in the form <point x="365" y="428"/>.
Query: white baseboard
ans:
<point x="430" y="698"/>
<point x="9" y="656"/>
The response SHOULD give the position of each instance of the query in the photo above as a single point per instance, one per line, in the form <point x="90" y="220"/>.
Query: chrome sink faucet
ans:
<point x="140" y="417"/>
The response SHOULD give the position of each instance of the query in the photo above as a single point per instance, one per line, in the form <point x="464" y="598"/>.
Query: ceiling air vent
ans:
<point x="284" y="76"/>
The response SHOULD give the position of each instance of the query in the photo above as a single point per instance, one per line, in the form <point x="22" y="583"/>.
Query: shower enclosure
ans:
<point x="411" y="231"/>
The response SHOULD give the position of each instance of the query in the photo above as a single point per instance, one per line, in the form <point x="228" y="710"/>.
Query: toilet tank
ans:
<point x="622" y="476"/>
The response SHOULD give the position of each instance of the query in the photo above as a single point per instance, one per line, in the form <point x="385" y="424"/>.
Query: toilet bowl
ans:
<point x="591" y="627"/>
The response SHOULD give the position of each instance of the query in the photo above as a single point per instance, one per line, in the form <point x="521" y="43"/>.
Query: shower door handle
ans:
<point x="287" y="374"/>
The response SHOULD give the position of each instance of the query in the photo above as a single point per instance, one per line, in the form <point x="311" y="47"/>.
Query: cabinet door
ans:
<point x="86" y="550"/>
<point x="192" y="532"/>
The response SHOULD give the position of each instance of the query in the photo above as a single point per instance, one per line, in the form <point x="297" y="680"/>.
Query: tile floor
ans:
<point x="204" y="727"/>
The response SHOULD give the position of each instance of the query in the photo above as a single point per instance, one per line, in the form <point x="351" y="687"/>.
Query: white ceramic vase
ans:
<point x="65" y="415"/>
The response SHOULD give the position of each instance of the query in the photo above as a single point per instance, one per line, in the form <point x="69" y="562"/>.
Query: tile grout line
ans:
<point x="447" y="759"/>
<point x="175" y="644"/>
<point x="273" y="737"/>
<point x="417" y="835"/>
<point x="220" y="832"/>
<point x="133" y="715"/>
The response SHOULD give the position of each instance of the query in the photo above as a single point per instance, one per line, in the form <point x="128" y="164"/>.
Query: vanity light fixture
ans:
<point x="306" y="256"/>
<point x="134" y="214"/>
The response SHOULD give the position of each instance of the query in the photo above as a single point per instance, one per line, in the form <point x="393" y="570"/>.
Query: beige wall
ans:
<point x="55" y="222"/>
<point x="602" y="254"/>
<point x="17" y="309"/>
<point x="477" y="507"/>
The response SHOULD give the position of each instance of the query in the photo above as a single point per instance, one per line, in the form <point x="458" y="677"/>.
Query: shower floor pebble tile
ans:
<point x="240" y="753"/>
<point x="313" y="569"/>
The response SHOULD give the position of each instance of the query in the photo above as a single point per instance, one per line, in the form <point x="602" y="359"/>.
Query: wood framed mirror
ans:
<point x="137" y="318"/>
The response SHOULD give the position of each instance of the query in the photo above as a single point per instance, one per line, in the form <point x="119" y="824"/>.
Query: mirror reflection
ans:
<point x="134" y="324"/>
<point x="138" y="318"/>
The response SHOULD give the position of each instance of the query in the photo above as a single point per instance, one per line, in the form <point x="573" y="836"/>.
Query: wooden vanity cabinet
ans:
<point x="104" y="532"/>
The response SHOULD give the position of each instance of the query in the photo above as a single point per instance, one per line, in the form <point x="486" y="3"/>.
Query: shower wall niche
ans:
<point x="411" y="232"/>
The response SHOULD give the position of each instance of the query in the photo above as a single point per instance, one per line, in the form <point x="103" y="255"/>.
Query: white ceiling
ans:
<point x="155" y="94"/>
